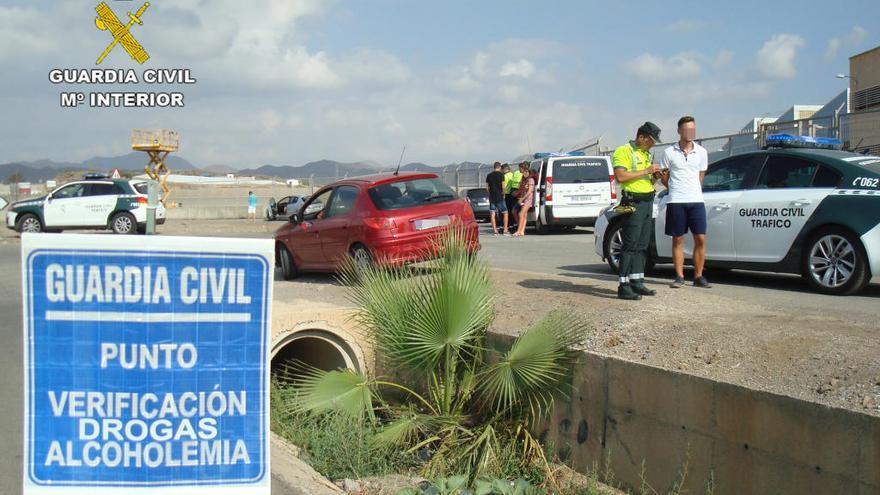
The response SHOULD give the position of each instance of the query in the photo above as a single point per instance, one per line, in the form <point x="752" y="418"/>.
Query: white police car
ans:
<point x="798" y="206"/>
<point x="116" y="204"/>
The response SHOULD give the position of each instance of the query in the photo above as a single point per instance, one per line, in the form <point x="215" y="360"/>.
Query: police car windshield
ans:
<point x="141" y="187"/>
<point x="579" y="170"/>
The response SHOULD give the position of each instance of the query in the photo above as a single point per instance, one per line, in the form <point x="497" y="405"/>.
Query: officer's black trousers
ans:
<point x="636" y="233"/>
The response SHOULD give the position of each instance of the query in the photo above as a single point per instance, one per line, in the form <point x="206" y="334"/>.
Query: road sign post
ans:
<point x="146" y="365"/>
<point x="152" y="203"/>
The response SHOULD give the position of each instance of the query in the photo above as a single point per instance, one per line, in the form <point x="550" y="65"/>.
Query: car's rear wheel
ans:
<point x="29" y="223"/>
<point x="613" y="248"/>
<point x="361" y="256"/>
<point x="286" y="263"/>
<point x="123" y="223"/>
<point x="835" y="262"/>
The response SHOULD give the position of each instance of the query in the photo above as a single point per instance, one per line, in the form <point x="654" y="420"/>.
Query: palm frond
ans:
<point x="531" y="374"/>
<point x="341" y="391"/>
<point x="404" y="431"/>
<point x="414" y="321"/>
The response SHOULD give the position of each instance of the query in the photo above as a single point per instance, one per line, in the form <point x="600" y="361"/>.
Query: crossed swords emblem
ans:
<point x="107" y="21"/>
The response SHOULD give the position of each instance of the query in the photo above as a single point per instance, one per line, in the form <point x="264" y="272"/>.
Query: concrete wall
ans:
<point x="209" y="212"/>
<point x="647" y="423"/>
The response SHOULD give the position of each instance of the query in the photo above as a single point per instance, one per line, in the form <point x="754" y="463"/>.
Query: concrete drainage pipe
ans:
<point x="319" y="348"/>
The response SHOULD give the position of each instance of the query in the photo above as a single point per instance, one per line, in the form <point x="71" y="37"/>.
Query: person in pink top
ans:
<point x="525" y="201"/>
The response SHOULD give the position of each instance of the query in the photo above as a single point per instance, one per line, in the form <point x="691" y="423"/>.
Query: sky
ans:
<point x="288" y="82"/>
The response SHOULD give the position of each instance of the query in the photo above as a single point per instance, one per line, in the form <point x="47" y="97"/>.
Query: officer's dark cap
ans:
<point x="650" y="129"/>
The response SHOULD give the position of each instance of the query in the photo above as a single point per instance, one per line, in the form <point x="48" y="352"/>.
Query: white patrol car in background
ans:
<point x="572" y="189"/>
<point x="798" y="206"/>
<point x="116" y="204"/>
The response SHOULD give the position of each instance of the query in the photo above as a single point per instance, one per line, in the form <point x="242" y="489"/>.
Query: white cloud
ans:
<point x="854" y="38"/>
<point x="775" y="59"/>
<point x="521" y="68"/>
<point x="18" y="38"/>
<point x="653" y="69"/>
<point x="685" y="26"/>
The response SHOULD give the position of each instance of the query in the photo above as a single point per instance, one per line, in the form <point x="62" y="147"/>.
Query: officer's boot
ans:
<point x="625" y="291"/>
<point x="639" y="288"/>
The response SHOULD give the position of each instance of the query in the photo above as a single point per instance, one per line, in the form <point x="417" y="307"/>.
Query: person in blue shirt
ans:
<point x="252" y="206"/>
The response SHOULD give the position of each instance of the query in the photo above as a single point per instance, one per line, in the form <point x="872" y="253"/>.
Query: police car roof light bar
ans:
<point x="558" y="154"/>
<point x="789" y="141"/>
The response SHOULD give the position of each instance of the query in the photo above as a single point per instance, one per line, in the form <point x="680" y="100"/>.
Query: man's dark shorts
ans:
<point x="500" y="206"/>
<point x="684" y="217"/>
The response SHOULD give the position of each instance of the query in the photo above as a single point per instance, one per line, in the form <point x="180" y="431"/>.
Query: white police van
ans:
<point x="572" y="189"/>
<point x="798" y="206"/>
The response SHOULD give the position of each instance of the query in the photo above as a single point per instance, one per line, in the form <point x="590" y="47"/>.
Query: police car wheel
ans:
<point x="613" y="246"/>
<point x="29" y="223"/>
<point x="123" y="223"/>
<point x="835" y="262"/>
<point x="285" y="261"/>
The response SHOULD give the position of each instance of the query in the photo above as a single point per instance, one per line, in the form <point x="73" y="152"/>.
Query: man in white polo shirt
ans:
<point x="685" y="164"/>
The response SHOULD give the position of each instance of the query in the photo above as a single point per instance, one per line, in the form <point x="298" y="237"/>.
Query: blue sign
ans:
<point x="146" y="366"/>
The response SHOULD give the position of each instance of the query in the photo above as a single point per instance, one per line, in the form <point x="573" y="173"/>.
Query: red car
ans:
<point x="386" y="219"/>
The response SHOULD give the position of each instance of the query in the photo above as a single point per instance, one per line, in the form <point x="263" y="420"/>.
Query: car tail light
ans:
<point x="141" y="200"/>
<point x="379" y="223"/>
<point x="611" y="179"/>
<point x="548" y="189"/>
<point x="467" y="214"/>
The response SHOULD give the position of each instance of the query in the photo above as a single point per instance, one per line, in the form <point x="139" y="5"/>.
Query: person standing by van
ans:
<point x="495" y="186"/>
<point x="510" y="193"/>
<point x="685" y="164"/>
<point x="635" y="174"/>
<point x="525" y="200"/>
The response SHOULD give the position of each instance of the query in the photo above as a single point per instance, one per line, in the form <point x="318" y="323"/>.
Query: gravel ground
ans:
<point x="817" y="358"/>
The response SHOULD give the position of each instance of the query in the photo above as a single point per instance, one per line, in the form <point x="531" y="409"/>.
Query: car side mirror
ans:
<point x="296" y="218"/>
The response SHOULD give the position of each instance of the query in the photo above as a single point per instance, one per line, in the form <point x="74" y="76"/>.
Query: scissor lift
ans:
<point x="157" y="144"/>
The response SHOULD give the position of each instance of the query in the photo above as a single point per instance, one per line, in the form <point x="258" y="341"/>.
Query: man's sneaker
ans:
<point x="702" y="282"/>
<point x="625" y="291"/>
<point x="677" y="283"/>
<point x="639" y="288"/>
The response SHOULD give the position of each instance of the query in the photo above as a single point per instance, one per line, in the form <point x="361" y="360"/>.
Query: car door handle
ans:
<point x="722" y="206"/>
<point x="801" y="202"/>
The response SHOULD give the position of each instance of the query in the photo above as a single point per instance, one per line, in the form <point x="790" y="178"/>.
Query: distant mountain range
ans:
<point x="42" y="170"/>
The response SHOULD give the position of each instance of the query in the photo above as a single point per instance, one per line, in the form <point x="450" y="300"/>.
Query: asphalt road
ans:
<point x="567" y="254"/>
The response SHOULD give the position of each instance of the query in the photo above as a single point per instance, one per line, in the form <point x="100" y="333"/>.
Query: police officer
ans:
<point x="635" y="174"/>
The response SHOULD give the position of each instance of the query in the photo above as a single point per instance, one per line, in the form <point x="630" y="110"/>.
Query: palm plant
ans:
<point x="456" y="402"/>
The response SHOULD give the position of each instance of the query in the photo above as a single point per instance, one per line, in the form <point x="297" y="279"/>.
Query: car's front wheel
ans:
<point x="29" y="223"/>
<point x="286" y="263"/>
<point x="123" y="223"/>
<point x="835" y="262"/>
<point x="613" y="248"/>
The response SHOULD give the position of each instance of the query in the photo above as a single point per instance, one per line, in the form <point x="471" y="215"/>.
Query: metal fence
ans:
<point x="859" y="132"/>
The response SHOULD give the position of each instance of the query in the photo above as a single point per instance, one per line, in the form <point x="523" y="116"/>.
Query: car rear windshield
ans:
<point x="478" y="193"/>
<point x="579" y="170"/>
<point x="410" y="193"/>
<point x="141" y="187"/>
<point x="871" y="163"/>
